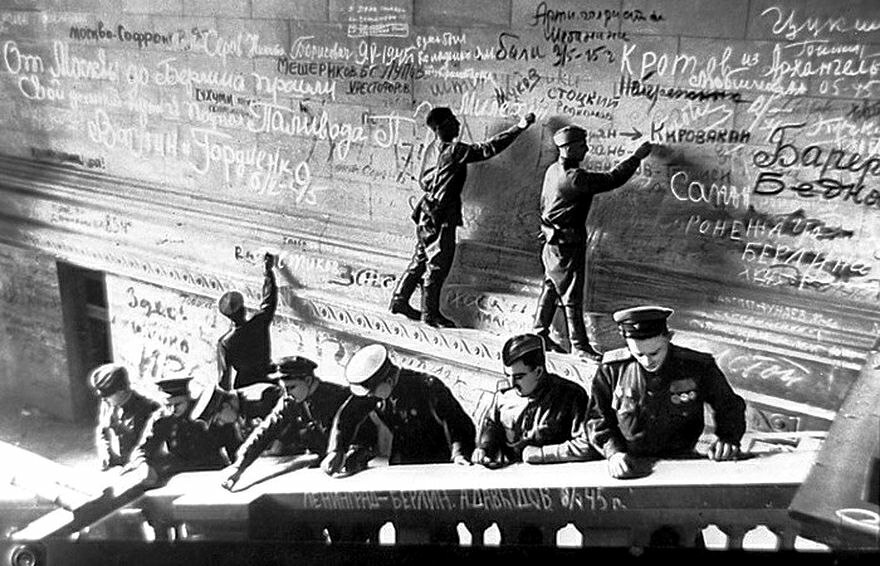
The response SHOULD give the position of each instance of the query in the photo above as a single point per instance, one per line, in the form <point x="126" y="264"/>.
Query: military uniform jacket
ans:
<point x="445" y="172"/>
<point x="125" y="424"/>
<point x="255" y="403"/>
<point x="247" y="348"/>
<point x="299" y="426"/>
<point x="634" y="411"/>
<point x="568" y="193"/>
<point x="419" y="412"/>
<point x="178" y="444"/>
<point x="554" y="418"/>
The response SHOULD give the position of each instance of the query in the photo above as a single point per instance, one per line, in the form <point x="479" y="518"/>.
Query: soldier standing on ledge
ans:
<point x="540" y="419"/>
<point x="173" y="442"/>
<point x="122" y="416"/>
<point x="647" y="399"/>
<point x="565" y="203"/>
<point x="246" y="349"/>
<point x="438" y="212"/>
<point x="428" y="424"/>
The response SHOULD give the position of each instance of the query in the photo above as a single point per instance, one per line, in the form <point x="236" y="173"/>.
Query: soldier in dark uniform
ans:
<point x="232" y="415"/>
<point x="540" y="419"/>
<point x="246" y="348"/>
<point x="173" y="442"/>
<point x="647" y="399"/>
<point x="565" y="203"/>
<point x="122" y="416"/>
<point x="301" y="419"/>
<point x="438" y="212"/>
<point x="418" y="409"/>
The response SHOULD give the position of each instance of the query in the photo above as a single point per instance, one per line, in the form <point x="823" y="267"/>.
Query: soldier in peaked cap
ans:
<point x="539" y="419"/>
<point x="438" y="213"/>
<point x="300" y="420"/>
<point x="232" y="415"/>
<point x="244" y="353"/>
<point x="418" y="409"/>
<point x="647" y="399"/>
<point x="566" y="198"/>
<point x="173" y="442"/>
<point x="122" y="415"/>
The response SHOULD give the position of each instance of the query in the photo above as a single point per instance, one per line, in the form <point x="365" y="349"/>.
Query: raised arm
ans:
<point x="270" y="288"/>
<point x="499" y="142"/>
<point x="603" y="182"/>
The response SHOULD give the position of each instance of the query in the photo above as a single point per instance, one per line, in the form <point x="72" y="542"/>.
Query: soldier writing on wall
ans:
<point x="539" y="419"/>
<point x="565" y="203"/>
<point x="244" y="354"/>
<point x="427" y="423"/>
<point x="438" y="213"/>
<point x="173" y="442"/>
<point x="647" y="400"/>
<point x="300" y="421"/>
<point x="122" y="416"/>
<point x="232" y="415"/>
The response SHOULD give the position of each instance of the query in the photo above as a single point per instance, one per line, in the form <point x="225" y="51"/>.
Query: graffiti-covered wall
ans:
<point x="172" y="142"/>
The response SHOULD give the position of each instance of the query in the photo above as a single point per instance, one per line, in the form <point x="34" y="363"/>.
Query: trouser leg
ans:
<point x="547" y="304"/>
<point x="407" y="284"/>
<point x="439" y="248"/>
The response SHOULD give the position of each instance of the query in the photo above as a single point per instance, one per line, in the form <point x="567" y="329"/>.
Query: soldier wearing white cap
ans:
<point x="172" y="441"/>
<point x="539" y="419"/>
<point x="428" y="424"/>
<point x="244" y="353"/>
<point x="438" y="213"/>
<point x="122" y="416"/>
<point x="647" y="400"/>
<point x="566" y="198"/>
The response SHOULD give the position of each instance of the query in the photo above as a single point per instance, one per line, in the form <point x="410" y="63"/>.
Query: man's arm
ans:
<point x="150" y="442"/>
<point x="729" y="408"/>
<point x="267" y="431"/>
<point x="602" y="428"/>
<point x="499" y="142"/>
<point x="270" y="288"/>
<point x="224" y="370"/>
<point x="102" y="438"/>
<point x="576" y="448"/>
<point x="449" y="412"/>
<point x="347" y="422"/>
<point x="603" y="182"/>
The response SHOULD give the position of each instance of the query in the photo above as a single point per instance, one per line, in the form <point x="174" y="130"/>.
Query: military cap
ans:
<point x="642" y="322"/>
<point x="108" y="379"/>
<point x="369" y="366"/>
<point x="230" y="303"/>
<point x="293" y="367"/>
<point x="208" y="403"/>
<point x="437" y="116"/>
<point x="518" y="346"/>
<point x="569" y="134"/>
<point x="175" y="386"/>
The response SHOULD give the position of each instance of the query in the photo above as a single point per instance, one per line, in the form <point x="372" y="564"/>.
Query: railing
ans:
<point x="682" y="503"/>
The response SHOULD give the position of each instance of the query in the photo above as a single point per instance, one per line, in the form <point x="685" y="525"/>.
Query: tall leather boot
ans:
<point x="402" y="293"/>
<point x="431" y="314"/>
<point x="577" y="333"/>
<point x="544" y="318"/>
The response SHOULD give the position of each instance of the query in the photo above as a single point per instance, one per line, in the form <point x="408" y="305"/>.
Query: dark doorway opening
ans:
<point x="86" y="332"/>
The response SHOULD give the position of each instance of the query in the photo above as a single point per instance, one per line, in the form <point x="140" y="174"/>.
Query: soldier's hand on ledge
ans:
<point x="532" y="455"/>
<point x="620" y="465"/>
<point x="644" y="150"/>
<point x="332" y="462"/>
<point x="720" y="450"/>
<point x="461" y="460"/>
<point x="527" y="120"/>
<point x="233" y="474"/>
<point x="483" y="459"/>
